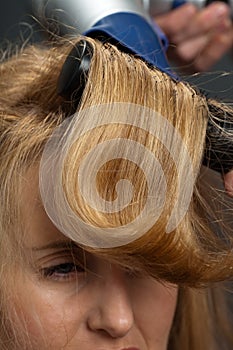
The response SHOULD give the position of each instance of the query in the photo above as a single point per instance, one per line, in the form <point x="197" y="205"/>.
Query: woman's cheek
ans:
<point x="45" y="315"/>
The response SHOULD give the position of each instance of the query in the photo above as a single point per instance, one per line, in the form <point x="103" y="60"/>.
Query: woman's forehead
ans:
<point x="38" y="228"/>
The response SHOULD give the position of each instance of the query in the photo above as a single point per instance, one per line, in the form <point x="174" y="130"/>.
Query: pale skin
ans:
<point x="64" y="307"/>
<point x="228" y="179"/>
<point x="198" y="38"/>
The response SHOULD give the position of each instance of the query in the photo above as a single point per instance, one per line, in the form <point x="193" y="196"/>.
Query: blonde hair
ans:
<point x="192" y="255"/>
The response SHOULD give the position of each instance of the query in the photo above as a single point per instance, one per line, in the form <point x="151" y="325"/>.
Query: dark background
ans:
<point x="17" y="27"/>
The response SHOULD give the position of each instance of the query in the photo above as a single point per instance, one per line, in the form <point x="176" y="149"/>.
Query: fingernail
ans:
<point x="220" y="11"/>
<point x="190" y="9"/>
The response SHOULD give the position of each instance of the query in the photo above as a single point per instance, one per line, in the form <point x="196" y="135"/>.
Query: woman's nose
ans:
<point x="112" y="312"/>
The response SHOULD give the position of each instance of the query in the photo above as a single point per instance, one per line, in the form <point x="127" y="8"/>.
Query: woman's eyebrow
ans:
<point x="64" y="244"/>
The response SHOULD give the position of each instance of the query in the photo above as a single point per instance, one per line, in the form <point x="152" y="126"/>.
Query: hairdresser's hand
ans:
<point x="228" y="179"/>
<point x="198" y="38"/>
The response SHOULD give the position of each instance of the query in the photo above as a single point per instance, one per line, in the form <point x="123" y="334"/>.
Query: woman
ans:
<point x="86" y="262"/>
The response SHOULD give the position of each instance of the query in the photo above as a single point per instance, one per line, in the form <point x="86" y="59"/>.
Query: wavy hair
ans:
<point x="192" y="255"/>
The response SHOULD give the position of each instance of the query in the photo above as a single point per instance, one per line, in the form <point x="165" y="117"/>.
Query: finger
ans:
<point x="201" y="53"/>
<point x="173" y="22"/>
<point x="188" y="53"/>
<point x="191" y="49"/>
<point x="211" y="46"/>
<point x="212" y="18"/>
<point x="228" y="179"/>
<point x="214" y="50"/>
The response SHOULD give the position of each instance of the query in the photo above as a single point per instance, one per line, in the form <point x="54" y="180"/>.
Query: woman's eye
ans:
<point x="62" y="272"/>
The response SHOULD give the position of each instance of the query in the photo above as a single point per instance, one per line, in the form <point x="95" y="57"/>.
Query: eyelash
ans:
<point x="69" y="271"/>
<point x="64" y="272"/>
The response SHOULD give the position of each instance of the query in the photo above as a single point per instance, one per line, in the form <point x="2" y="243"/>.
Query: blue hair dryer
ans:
<point x="123" y="22"/>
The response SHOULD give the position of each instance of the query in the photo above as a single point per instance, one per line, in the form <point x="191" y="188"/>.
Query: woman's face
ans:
<point x="65" y="307"/>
